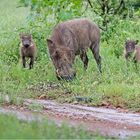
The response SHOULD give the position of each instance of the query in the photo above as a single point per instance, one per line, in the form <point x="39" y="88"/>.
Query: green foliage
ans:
<point x="59" y="9"/>
<point x="46" y="14"/>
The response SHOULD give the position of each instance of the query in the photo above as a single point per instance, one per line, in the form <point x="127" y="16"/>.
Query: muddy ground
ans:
<point x="107" y="122"/>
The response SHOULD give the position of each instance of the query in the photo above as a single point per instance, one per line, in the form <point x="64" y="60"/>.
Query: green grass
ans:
<point x="118" y="85"/>
<point x="12" y="128"/>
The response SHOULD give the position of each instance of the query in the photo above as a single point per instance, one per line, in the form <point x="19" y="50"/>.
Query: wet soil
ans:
<point x="107" y="122"/>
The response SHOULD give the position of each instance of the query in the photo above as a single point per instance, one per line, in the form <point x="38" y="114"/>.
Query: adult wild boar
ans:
<point x="132" y="50"/>
<point x="71" y="38"/>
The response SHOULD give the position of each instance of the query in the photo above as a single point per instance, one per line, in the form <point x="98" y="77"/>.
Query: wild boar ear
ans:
<point x="137" y="41"/>
<point x="51" y="45"/>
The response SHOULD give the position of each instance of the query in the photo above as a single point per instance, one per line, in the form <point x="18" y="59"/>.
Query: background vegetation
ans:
<point x="118" y="85"/>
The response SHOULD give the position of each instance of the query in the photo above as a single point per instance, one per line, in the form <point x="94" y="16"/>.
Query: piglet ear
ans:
<point x="51" y="45"/>
<point x="136" y="41"/>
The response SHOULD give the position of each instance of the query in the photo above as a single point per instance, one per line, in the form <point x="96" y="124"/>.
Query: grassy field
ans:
<point x="118" y="85"/>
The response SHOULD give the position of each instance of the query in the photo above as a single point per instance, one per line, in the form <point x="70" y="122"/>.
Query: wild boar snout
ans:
<point x="64" y="74"/>
<point x="26" y="40"/>
<point x="26" y="43"/>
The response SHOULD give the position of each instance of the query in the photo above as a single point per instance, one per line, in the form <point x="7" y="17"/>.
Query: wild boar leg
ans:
<point x="31" y="62"/>
<point x="84" y="58"/>
<point x="95" y="50"/>
<point x="23" y="61"/>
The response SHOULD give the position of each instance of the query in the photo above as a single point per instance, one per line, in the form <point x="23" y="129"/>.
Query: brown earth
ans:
<point x="107" y="122"/>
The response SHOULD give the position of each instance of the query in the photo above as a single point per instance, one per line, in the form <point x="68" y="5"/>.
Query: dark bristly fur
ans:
<point x="73" y="38"/>
<point x="27" y="49"/>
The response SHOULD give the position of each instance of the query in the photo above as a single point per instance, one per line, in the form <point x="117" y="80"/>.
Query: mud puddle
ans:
<point x="107" y="122"/>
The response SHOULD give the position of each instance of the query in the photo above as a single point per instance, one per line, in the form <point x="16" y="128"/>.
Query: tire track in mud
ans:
<point x="107" y="122"/>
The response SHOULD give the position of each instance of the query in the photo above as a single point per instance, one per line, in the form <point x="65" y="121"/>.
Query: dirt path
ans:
<point x="107" y="122"/>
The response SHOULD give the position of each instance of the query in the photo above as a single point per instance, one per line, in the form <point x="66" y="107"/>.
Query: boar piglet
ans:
<point x="132" y="50"/>
<point x="27" y="49"/>
<point x="71" y="38"/>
